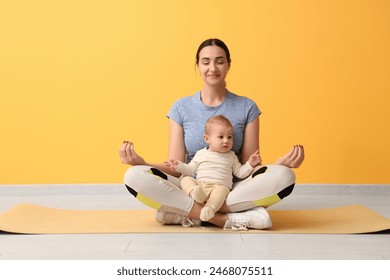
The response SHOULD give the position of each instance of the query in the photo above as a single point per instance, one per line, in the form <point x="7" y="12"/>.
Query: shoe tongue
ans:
<point x="235" y="225"/>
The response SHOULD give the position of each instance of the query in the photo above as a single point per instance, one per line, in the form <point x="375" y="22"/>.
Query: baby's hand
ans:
<point x="172" y="164"/>
<point x="255" y="159"/>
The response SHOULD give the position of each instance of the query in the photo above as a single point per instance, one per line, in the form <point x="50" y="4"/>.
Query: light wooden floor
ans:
<point x="193" y="246"/>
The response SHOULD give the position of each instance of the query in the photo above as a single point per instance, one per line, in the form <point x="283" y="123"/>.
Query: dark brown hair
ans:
<point x="213" y="42"/>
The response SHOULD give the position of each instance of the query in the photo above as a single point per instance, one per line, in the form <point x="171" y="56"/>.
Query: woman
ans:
<point x="159" y="187"/>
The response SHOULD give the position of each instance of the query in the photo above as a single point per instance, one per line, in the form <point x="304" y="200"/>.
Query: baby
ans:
<point x="214" y="167"/>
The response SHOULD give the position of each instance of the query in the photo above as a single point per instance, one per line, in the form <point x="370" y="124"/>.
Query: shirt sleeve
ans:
<point x="253" y="111"/>
<point x="187" y="169"/>
<point x="175" y="113"/>
<point x="191" y="168"/>
<point x="241" y="171"/>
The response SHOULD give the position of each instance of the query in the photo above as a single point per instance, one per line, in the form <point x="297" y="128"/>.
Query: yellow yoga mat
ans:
<point x="35" y="219"/>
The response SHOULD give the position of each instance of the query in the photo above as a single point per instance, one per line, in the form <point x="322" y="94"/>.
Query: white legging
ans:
<point x="266" y="186"/>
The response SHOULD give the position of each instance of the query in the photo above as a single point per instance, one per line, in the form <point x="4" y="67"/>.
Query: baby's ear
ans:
<point x="206" y="138"/>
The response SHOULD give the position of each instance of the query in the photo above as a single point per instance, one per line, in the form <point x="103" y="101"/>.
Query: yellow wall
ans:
<point x="77" y="77"/>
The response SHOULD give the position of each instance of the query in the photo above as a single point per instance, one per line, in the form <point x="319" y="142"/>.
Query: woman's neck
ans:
<point x="213" y="96"/>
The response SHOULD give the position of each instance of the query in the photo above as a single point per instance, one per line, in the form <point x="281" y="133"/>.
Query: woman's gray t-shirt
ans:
<point x="191" y="114"/>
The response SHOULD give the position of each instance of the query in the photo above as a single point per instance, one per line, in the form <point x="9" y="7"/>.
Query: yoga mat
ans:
<point x="35" y="219"/>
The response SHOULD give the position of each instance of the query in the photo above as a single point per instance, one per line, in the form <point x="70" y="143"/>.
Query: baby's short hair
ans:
<point x="218" y="119"/>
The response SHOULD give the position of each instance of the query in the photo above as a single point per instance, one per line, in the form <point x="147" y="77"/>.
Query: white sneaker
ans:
<point x="256" y="218"/>
<point x="169" y="218"/>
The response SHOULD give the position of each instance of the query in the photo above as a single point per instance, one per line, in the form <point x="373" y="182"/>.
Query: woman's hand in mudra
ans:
<point x="294" y="158"/>
<point x="128" y="154"/>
